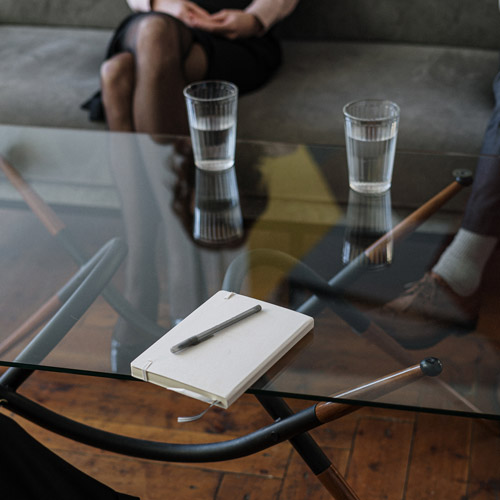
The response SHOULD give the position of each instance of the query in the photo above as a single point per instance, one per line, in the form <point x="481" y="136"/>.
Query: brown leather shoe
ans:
<point x="427" y="312"/>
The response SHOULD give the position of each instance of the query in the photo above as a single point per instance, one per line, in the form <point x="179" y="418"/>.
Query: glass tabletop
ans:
<point x="280" y="209"/>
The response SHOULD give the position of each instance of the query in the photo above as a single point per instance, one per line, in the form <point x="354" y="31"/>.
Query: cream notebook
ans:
<point x="223" y="367"/>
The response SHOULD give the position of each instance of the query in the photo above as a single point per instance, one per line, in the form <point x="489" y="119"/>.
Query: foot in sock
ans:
<point x="445" y="300"/>
<point x="427" y="312"/>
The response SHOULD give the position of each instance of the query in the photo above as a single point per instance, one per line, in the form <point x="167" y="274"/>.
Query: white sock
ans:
<point x="461" y="264"/>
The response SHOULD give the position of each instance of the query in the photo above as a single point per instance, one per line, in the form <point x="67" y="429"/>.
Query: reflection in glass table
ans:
<point x="302" y="240"/>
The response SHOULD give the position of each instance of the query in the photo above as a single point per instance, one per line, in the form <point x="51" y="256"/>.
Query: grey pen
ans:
<point x="207" y="334"/>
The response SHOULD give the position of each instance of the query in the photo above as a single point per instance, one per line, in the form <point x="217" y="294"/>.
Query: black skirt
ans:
<point x="249" y="63"/>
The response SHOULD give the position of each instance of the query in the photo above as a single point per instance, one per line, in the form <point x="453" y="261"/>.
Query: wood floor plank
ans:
<point x="245" y="487"/>
<point x="484" y="474"/>
<point x="149" y="412"/>
<point x="377" y="469"/>
<point x="148" y="480"/>
<point x="136" y="402"/>
<point x="439" y="459"/>
<point x="300" y="483"/>
<point x="168" y="481"/>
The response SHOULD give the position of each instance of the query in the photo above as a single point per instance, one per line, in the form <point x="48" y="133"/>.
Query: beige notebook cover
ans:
<point x="226" y="365"/>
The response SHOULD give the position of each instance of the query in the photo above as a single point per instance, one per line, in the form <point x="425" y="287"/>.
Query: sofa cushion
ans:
<point x="466" y="23"/>
<point x="46" y="73"/>
<point x="80" y="13"/>
<point x="444" y="93"/>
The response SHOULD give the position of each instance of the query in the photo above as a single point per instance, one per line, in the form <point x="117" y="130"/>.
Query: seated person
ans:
<point x="448" y="295"/>
<point x="167" y="44"/>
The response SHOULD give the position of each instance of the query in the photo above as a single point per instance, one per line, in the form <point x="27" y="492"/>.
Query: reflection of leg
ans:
<point x="201" y="272"/>
<point x="185" y="288"/>
<point x="141" y="286"/>
<point x="141" y="220"/>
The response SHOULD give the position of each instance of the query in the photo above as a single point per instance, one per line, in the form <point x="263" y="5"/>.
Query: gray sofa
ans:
<point x="436" y="59"/>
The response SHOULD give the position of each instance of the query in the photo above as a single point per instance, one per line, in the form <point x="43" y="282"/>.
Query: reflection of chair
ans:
<point x="74" y="299"/>
<point x="112" y="250"/>
<point x="56" y="227"/>
<point x="32" y="465"/>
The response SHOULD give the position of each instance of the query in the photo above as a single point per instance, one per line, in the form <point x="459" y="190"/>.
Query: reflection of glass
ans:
<point x="368" y="218"/>
<point x="217" y="211"/>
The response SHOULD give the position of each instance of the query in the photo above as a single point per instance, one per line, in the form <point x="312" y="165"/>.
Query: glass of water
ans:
<point x="212" y="109"/>
<point x="371" y="129"/>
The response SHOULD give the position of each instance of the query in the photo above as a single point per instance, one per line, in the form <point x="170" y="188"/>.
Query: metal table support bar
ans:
<point x="281" y="430"/>
<point x="56" y="227"/>
<point x="80" y="292"/>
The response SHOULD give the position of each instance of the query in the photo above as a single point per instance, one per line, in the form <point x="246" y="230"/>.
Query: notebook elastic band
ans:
<point x="144" y="370"/>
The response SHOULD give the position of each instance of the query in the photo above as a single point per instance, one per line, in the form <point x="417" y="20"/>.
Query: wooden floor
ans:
<point x="384" y="454"/>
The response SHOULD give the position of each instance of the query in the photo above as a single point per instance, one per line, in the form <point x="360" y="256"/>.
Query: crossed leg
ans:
<point x="142" y="86"/>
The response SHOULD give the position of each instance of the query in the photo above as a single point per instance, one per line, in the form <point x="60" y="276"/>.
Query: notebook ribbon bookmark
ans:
<point x="195" y="417"/>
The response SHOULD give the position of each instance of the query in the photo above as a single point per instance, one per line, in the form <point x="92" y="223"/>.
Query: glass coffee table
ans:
<point x="108" y="240"/>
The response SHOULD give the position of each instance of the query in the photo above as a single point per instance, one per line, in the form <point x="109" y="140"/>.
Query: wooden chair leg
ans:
<point x="53" y="224"/>
<point x="420" y="215"/>
<point x="336" y="485"/>
<point x="325" y="412"/>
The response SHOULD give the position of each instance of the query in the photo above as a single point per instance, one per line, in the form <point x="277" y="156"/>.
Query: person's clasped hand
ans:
<point x="231" y="23"/>
<point x="184" y="10"/>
